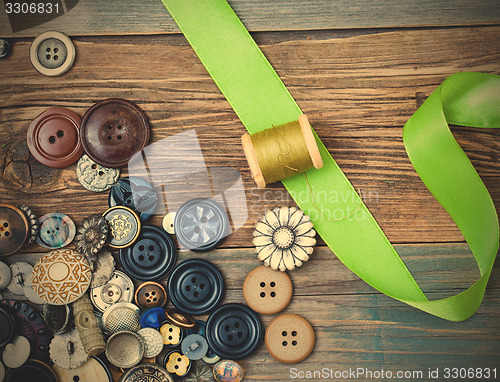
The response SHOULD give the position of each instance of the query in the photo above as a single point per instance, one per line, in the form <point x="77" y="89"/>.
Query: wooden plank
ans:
<point x="358" y="92"/>
<point x="101" y="17"/>
<point x="358" y="327"/>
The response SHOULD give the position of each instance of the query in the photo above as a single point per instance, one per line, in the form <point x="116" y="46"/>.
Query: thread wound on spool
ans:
<point x="281" y="151"/>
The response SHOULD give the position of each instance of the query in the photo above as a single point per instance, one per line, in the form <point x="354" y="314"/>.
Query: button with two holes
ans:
<point x="234" y="331"/>
<point x="196" y="286"/>
<point x="14" y="229"/>
<point x="267" y="291"/>
<point x="152" y="256"/>
<point x="290" y="338"/>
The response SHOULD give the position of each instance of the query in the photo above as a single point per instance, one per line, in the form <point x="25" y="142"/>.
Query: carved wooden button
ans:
<point x="54" y="137"/>
<point x="14" y="229"/>
<point x="114" y="130"/>
<point x="267" y="291"/>
<point x="150" y="295"/>
<point x="289" y="338"/>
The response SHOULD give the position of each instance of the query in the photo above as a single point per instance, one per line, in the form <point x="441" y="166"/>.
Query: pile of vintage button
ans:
<point x="93" y="315"/>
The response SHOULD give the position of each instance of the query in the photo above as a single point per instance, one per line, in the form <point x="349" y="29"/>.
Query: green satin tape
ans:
<point x="261" y="101"/>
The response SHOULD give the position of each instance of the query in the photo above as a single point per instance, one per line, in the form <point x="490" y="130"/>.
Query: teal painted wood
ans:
<point x="98" y="17"/>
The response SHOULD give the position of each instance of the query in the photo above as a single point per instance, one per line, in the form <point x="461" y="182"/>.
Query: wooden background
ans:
<point x="359" y="70"/>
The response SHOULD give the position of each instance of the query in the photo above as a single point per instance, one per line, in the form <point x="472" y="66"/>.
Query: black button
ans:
<point x="5" y="48"/>
<point x="200" y="224"/>
<point x="152" y="256"/>
<point x="32" y="370"/>
<point x="135" y="193"/>
<point x="234" y="331"/>
<point x="196" y="286"/>
<point x="7" y="327"/>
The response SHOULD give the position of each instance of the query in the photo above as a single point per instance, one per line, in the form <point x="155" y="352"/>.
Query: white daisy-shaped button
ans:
<point x="284" y="238"/>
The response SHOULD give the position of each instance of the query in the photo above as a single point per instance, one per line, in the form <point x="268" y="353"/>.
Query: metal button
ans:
<point x="14" y="229"/>
<point x="119" y="284"/>
<point x="67" y="351"/>
<point x="52" y="53"/>
<point x="124" y="225"/>
<point x="135" y="193"/>
<point x="228" y="371"/>
<point x="125" y="349"/>
<point x="56" y="230"/>
<point x="59" y="318"/>
<point x="179" y="319"/>
<point x="153" y="342"/>
<point x="121" y="316"/>
<point x="32" y="223"/>
<point x="150" y="295"/>
<point x="194" y="346"/>
<point x="104" y="268"/>
<point x="147" y="372"/>
<point x="200" y="373"/>
<point x="95" y="177"/>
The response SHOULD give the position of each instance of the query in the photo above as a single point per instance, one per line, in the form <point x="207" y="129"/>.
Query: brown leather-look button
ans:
<point x="290" y="338"/>
<point x="150" y="295"/>
<point x="267" y="291"/>
<point x="114" y="130"/>
<point x="14" y="229"/>
<point x="54" y="137"/>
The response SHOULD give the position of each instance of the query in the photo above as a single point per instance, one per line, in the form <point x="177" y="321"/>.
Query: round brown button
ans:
<point x="150" y="295"/>
<point x="14" y="229"/>
<point x="54" y="137"/>
<point x="114" y="130"/>
<point x="267" y="291"/>
<point x="290" y="338"/>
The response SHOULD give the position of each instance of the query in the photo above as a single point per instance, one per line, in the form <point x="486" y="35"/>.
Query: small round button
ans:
<point x="152" y="256"/>
<point x="172" y="334"/>
<point x="125" y="349"/>
<point x="196" y="286"/>
<point x="290" y="338"/>
<point x="54" y="137"/>
<point x="113" y="130"/>
<point x="152" y="318"/>
<point x="194" y="346"/>
<point x="135" y="193"/>
<point x="52" y="53"/>
<point x="234" y="331"/>
<point x="121" y="316"/>
<point x="168" y="223"/>
<point x="5" y="48"/>
<point x="95" y="177"/>
<point x="56" y="230"/>
<point x="150" y="295"/>
<point x="267" y="291"/>
<point x="153" y="342"/>
<point x="14" y="229"/>
<point x="124" y="226"/>
<point x="177" y="363"/>
<point x="228" y="371"/>
<point x="200" y="224"/>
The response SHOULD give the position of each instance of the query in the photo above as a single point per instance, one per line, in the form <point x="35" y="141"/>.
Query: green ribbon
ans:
<point x="261" y="101"/>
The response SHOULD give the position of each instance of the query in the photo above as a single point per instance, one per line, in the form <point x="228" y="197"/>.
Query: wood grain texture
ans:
<point x="102" y="17"/>
<point x="358" y="92"/>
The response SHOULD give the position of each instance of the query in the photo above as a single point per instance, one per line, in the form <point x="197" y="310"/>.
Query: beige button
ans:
<point x="52" y="53"/>
<point x="290" y="338"/>
<point x="267" y="291"/>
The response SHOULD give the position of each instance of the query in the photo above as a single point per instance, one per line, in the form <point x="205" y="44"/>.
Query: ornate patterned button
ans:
<point x="61" y="277"/>
<point x="200" y="373"/>
<point x="124" y="225"/>
<point x="177" y="363"/>
<point x="194" y="346"/>
<point x="66" y="350"/>
<point x="290" y="338"/>
<point x="196" y="286"/>
<point x="119" y="288"/>
<point x="284" y="238"/>
<point x="14" y="229"/>
<point x="91" y="237"/>
<point x="95" y="177"/>
<point x="234" y="331"/>
<point x="104" y="268"/>
<point x="121" y="316"/>
<point x="52" y="53"/>
<point x="32" y="223"/>
<point x="94" y="370"/>
<point x="125" y="349"/>
<point x="267" y="291"/>
<point x="135" y="193"/>
<point x="153" y="342"/>
<point x="54" y="137"/>
<point x="114" y="130"/>
<point x="228" y="371"/>
<point x="152" y="256"/>
<point x="146" y="373"/>
<point x="56" y="230"/>
<point x="200" y="224"/>
<point x="150" y="295"/>
<point x="172" y="335"/>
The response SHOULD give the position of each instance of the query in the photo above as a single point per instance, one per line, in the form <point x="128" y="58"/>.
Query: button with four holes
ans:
<point x="290" y="338"/>
<point x="150" y="295"/>
<point x="14" y="229"/>
<point x="267" y="291"/>
<point x="52" y="53"/>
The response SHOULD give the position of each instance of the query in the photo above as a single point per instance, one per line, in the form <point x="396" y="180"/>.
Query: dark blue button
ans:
<point x="135" y="193"/>
<point x="151" y="257"/>
<point x="196" y="287"/>
<point x="234" y="331"/>
<point x="199" y="328"/>
<point x="152" y="318"/>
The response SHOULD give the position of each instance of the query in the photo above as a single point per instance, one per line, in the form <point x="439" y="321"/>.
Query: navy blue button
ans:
<point x="135" y="193"/>
<point x="196" y="287"/>
<point x="234" y="331"/>
<point x="198" y="328"/>
<point x="201" y="224"/>
<point x="151" y="257"/>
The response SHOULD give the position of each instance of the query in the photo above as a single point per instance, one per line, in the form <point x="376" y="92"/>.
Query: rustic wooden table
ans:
<point x="359" y="69"/>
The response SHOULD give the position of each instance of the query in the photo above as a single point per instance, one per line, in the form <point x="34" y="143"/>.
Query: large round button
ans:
<point x="200" y="224"/>
<point x="52" y="53"/>
<point x="56" y="230"/>
<point x="267" y="291"/>
<point x="150" y="295"/>
<point x="234" y="331"/>
<point x="54" y="137"/>
<point x="290" y="338"/>
<point x="124" y="226"/>
<point x="152" y="256"/>
<point x="135" y="193"/>
<point x="146" y="372"/>
<point x="14" y="229"/>
<point x="32" y="370"/>
<point x="93" y="370"/>
<point x="7" y="327"/>
<point x="114" y="130"/>
<point x="196" y="286"/>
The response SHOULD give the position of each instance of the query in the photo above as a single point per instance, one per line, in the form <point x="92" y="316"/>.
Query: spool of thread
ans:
<point x="281" y="151"/>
